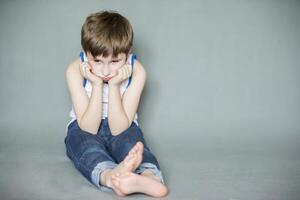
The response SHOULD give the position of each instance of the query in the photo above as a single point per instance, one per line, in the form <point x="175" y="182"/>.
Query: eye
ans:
<point x="115" y="61"/>
<point x="96" y="60"/>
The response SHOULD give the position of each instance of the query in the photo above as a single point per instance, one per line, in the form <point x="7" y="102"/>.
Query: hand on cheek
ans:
<point x="86" y="72"/>
<point x="122" y="74"/>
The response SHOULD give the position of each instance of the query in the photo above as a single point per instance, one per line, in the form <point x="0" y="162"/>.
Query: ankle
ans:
<point x="105" y="178"/>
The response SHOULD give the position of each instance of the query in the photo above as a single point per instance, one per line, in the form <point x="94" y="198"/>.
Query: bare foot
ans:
<point x="129" y="182"/>
<point x="132" y="160"/>
<point x="129" y="164"/>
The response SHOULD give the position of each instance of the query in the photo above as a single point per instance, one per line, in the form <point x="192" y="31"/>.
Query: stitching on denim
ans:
<point x="71" y="151"/>
<point x="74" y="157"/>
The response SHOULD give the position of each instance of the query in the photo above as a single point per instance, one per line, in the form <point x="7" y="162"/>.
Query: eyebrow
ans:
<point x="111" y="59"/>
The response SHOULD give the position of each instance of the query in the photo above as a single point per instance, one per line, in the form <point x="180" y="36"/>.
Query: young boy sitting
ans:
<point x="104" y="140"/>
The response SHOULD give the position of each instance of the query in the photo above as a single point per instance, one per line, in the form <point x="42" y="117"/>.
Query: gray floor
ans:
<point x="41" y="171"/>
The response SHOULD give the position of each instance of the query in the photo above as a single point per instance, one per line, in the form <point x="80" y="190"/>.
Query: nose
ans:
<point x="106" y="71"/>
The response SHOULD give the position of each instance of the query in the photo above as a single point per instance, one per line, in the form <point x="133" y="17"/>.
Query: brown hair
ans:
<point x="106" y="32"/>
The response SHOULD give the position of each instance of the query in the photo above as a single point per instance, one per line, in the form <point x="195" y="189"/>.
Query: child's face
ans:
<point x="106" y="68"/>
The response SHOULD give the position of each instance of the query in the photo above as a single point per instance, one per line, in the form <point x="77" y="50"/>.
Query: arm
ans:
<point x="122" y="111"/>
<point x="88" y="111"/>
<point x="91" y="119"/>
<point x="117" y="118"/>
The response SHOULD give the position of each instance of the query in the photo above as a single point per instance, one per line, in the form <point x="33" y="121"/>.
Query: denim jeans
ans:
<point x="92" y="154"/>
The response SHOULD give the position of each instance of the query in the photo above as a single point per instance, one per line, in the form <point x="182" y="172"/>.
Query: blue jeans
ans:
<point x="92" y="154"/>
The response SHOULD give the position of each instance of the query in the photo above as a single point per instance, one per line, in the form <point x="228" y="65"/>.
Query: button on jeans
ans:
<point x="92" y="154"/>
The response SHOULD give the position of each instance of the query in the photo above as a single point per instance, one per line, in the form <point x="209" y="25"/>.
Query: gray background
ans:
<point x="220" y="108"/>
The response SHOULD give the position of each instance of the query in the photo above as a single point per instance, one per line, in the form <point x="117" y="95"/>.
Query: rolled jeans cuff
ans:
<point x="153" y="168"/>
<point x="95" y="176"/>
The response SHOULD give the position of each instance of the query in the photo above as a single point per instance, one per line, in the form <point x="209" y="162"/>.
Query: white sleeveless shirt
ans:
<point x="105" y="92"/>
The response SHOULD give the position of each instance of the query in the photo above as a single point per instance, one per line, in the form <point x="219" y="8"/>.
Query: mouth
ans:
<point x="106" y="79"/>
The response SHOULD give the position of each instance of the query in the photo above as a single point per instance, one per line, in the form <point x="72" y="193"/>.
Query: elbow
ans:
<point x="88" y="130"/>
<point x="115" y="133"/>
<point x="92" y="132"/>
<point x="118" y="130"/>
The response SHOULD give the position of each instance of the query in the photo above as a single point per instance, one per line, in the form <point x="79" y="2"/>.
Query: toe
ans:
<point x="127" y="173"/>
<point x="140" y="145"/>
<point x="131" y="152"/>
<point x="128" y="158"/>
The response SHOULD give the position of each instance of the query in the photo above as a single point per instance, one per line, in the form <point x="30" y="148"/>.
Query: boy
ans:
<point x="103" y="138"/>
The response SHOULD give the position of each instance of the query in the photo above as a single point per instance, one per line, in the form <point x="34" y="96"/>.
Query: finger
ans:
<point x="130" y="70"/>
<point x="123" y="73"/>
<point x="120" y="72"/>
<point x="83" y="70"/>
<point x="88" y="72"/>
<point x="88" y="69"/>
<point x="126" y="71"/>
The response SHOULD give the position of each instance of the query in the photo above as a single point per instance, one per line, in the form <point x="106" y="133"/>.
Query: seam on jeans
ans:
<point x="77" y="161"/>
<point x="71" y="151"/>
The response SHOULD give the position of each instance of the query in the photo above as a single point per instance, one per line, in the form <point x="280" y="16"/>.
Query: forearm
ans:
<point x="90" y="122"/>
<point x="117" y="118"/>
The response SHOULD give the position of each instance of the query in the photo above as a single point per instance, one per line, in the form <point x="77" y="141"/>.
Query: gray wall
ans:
<point x="223" y="77"/>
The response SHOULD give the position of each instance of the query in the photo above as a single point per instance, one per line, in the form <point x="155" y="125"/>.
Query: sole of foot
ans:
<point x="129" y="182"/>
<point x="130" y="162"/>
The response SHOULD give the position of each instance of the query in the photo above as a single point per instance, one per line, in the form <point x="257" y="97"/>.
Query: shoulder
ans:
<point x="138" y="70"/>
<point x="138" y="77"/>
<point x="73" y="66"/>
<point x="73" y="76"/>
<point x="72" y="71"/>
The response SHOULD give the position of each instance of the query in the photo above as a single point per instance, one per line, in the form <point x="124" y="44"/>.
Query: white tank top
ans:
<point x="105" y="91"/>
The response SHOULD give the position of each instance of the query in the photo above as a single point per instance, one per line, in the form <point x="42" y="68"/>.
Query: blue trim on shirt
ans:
<point x="133" y="57"/>
<point x="81" y="55"/>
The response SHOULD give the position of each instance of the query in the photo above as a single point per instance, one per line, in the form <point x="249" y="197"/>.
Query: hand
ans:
<point x="123" y="73"/>
<point x="86" y="72"/>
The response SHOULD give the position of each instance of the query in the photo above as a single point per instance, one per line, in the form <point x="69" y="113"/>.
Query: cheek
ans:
<point x="114" y="70"/>
<point x="95" y="68"/>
